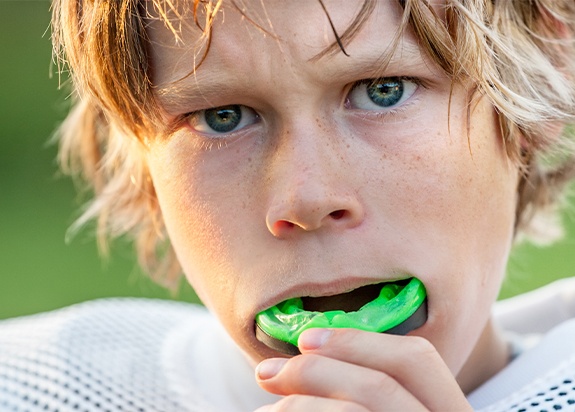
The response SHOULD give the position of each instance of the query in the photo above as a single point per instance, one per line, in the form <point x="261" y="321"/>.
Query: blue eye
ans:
<point x="378" y="94"/>
<point x="223" y="119"/>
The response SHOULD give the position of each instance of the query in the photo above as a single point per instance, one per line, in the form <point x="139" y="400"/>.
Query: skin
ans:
<point x="317" y="197"/>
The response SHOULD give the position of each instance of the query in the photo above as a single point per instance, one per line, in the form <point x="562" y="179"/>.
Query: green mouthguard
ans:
<point x="397" y="302"/>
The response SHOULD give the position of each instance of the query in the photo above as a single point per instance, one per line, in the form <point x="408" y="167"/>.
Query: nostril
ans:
<point x="337" y="214"/>
<point x="283" y="224"/>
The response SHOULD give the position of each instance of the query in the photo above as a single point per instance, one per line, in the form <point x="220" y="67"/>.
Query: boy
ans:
<point x="311" y="150"/>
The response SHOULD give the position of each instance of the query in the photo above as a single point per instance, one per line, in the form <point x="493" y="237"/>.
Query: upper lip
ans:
<point x="331" y="288"/>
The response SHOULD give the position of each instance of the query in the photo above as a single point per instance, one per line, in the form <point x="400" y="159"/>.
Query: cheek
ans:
<point x="193" y="224"/>
<point x="453" y="189"/>
<point x="469" y="220"/>
<point x="446" y="204"/>
<point x="210" y="207"/>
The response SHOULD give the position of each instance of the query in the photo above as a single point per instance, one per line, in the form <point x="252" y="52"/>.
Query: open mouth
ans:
<point x="351" y="301"/>
<point x="391" y="307"/>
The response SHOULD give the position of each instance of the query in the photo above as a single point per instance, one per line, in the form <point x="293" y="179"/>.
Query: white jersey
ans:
<point x="541" y="325"/>
<point x="141" y="355"/>
<point x="133" y="355"/>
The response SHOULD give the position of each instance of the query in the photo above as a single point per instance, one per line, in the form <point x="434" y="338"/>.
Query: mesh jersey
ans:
<point x="133" y="355"/>
<point x="542" y="379"/>
<point x="142" y="355"/>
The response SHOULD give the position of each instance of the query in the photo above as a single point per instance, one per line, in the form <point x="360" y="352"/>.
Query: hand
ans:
<point x="351" y="370"/>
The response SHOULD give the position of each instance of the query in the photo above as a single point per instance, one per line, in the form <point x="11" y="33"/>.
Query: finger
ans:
<point x="298" y="403"/>
<point x="325" y="377"/>
<point x="410" y="360"/>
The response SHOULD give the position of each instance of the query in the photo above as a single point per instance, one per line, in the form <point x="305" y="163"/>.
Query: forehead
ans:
<point x="278" y="19"/>
<point x="278" y="31"/>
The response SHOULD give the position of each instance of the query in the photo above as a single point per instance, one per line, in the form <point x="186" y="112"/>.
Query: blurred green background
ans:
<point x="38" y="270"/>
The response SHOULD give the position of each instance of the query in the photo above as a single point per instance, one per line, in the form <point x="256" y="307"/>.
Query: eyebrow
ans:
<point x="180" y="93"/>
<point x="405" y="55"/>
<point x="195" y="88"/>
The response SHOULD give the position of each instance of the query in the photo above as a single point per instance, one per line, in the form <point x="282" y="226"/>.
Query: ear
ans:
<point x="552" y="26"/>
<point x="552" y="131"/>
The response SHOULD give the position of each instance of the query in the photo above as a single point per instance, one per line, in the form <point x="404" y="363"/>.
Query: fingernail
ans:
<point x="313" y="338"/>
<point x="269" y="368"/>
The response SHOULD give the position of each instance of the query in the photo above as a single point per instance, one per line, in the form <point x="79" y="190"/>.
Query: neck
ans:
<point x="490" y="355"/>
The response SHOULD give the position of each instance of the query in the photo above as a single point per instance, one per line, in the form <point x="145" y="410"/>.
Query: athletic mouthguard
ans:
<point x="400" y="308"/>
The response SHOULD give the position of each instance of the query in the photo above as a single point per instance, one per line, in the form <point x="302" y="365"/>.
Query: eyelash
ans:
<point x="405" y="101"/>
<point x="220" y="140"/>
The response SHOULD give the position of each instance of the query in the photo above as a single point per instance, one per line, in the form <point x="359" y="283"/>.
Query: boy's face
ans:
<point x="312" y="183"/>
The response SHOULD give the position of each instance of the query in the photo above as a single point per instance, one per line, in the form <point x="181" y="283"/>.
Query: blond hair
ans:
<point x="519" y="54"/>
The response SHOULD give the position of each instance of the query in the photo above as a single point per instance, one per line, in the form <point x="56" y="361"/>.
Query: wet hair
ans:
<point x="518" y="54"/>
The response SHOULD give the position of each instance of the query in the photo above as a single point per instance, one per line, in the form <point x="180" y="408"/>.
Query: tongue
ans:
<point x="348" y="302"/>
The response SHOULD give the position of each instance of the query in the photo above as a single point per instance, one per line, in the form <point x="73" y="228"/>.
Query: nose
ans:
<point x="314" y="186"/>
